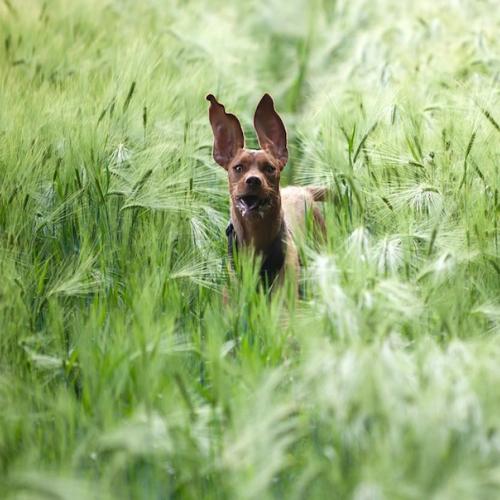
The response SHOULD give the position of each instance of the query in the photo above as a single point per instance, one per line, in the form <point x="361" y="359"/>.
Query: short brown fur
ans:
<point x="259" y="208"/>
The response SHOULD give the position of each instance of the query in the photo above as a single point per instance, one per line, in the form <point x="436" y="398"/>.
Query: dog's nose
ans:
<point x="253" y="181"/>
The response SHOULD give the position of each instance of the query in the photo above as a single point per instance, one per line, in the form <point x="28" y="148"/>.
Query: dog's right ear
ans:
<point x="228" y="135"/>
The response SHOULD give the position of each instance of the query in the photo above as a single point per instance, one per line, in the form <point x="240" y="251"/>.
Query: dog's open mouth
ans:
<point x="251" y="203"/>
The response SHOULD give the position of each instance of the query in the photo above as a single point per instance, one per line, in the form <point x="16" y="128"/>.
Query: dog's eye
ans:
<point x="269" y="169"/>
<point x="238" y="169"/>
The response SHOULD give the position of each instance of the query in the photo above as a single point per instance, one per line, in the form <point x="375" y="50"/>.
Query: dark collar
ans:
<point x="274" y="259"/>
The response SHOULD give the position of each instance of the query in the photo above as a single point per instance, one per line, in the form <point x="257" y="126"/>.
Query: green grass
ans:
<point x="123" y="375"/>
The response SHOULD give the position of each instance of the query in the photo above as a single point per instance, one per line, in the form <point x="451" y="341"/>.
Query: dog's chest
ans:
<point x="273" y="260"/>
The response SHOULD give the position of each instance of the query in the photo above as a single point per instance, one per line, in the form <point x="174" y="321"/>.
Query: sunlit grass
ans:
<point x="134" y="365"/>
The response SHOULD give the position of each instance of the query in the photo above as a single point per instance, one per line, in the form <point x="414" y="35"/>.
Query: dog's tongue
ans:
<point x="250" y="202"/>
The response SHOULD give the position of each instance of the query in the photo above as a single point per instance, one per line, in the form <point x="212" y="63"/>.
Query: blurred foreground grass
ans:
<point x="121" y="373"/>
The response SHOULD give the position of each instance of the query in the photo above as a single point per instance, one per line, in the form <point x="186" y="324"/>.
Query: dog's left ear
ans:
<point x="270" y="130"/>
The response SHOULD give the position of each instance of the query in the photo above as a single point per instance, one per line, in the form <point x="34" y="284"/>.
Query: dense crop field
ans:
<point x="123" y="374"/>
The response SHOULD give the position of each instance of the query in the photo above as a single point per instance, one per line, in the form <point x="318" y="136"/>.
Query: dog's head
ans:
<point x="254" y="175"/>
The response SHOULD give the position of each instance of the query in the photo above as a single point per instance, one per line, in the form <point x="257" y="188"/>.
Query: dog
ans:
<point x="264" y="218"/>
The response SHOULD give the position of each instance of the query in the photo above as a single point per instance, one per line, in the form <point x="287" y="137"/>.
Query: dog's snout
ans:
<point x="253" y="181"/>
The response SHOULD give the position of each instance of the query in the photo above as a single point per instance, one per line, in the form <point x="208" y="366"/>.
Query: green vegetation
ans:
<point x="122" y="375"/>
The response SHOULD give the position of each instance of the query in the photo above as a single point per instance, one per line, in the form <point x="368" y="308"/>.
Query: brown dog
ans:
<point x="263" y="216"/>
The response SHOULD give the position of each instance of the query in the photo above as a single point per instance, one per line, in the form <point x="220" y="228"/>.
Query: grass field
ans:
<point x="123" y="376"/>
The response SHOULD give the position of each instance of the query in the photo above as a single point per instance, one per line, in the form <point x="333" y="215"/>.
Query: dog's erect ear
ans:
<point x="228" y="136"/>
<point x="270" y="130"/>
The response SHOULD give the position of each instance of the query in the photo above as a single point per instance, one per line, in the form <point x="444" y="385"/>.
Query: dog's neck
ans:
<point x="259" y="233"/>
<point x="264" y="235"/>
